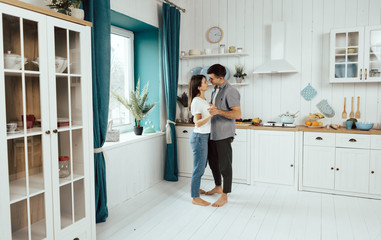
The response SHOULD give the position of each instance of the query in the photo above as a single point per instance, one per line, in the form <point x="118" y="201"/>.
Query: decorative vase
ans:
<point x="185" y="114"/>
<point x="138" y="130"/>
<point x="78" y="13"/>
<point x="238" y="80"/>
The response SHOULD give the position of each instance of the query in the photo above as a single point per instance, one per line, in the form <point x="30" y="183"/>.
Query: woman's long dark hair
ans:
<point x="194" y="83"/>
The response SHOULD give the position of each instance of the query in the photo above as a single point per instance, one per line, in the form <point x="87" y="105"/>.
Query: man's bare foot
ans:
<point x="216" y="189"/>
<point x="202" y="191"/>
<point x="200" y="201"/>
<point x="221" y="201"/>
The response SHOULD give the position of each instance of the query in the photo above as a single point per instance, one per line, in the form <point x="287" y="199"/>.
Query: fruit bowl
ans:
<point x="365" y="126"/>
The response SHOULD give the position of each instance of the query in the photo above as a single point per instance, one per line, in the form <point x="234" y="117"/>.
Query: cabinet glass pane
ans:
<point x="340" y="70"/>
<point x="75" y="53"/>
<point x="19" y="220"/>
<point x="79" y="200"/>
<point x="11" y="42"/>
<point x="60" y="38"/>
<point x="340" y="59"/>
<point x="64" y="152"/>
<point x="375" y="69"/>
<point x="353" y="39"/>
<point x="33" y="103"/>
<point x="78" y="163"/>
<point x="35" y="164"/>
<point x="30" y="29"/>
<point x="353" y="58"/>
<point x="37" y="217"/>
<point x="66" y="206"/>
<point x="340" y="40"/>
<point x="16" y="169"/>
<point x="76" y="101"/>
<point x="375" y="38"/>
<point x="14" y="102"/>
<point x="62" y="94"/>
<point x="352" y="70"/>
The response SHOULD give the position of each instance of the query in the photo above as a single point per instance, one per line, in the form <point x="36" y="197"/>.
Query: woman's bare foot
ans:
<point x="200" y="201"/>
<point x="216" y="189"/>
<point x="221" y="201"/>
<point x="202" y="191"/>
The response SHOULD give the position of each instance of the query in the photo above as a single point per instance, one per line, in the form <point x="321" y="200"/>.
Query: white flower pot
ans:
<point x="238" y="80"/>
<point x="78" y="13"/>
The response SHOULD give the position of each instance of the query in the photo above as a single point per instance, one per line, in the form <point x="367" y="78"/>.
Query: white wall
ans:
<point x="133" y="168"/>
<point x="147" y="11"/>
<point x="246" y="24"/>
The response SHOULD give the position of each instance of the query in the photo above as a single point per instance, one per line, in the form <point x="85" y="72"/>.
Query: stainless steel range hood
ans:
<point x="277" y="63"/>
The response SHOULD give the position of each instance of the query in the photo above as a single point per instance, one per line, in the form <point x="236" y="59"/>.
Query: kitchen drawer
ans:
<point x="353" y="140"/>
<point x="319" y="139"/>
<point x="240" y="135"/>
<point x="183" y="132"/>
<point x="375" y="142"/>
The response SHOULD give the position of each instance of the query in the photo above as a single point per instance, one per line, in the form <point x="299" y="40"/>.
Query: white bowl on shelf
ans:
<point x="13" y="61"/>
<point x="61" y="64"/>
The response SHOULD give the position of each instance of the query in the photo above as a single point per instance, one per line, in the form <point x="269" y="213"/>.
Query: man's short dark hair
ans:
<point x="218" y="70"/>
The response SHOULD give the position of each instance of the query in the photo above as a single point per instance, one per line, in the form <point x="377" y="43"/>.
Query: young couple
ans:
<point x="213" y="133"/>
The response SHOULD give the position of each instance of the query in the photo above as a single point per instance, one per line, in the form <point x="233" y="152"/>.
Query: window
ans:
<point x="122" y="75"/>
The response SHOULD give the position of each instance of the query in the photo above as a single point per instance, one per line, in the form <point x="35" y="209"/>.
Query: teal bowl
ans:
<point x="365" y="126"/>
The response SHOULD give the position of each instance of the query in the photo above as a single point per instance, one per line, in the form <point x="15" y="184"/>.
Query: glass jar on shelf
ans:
<point x="222" y="49"/>
<point x="64" y="166"/>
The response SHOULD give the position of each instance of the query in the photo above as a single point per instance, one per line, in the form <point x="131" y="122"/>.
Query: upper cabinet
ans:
<point x="355" y="55"/>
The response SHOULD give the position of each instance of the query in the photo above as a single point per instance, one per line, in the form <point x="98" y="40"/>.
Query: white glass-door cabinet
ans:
<point x="355" y="55"/>
<point x="46" y="160"/>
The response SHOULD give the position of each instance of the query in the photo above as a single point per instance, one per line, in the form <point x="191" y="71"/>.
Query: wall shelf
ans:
<point x="215" y="55"/>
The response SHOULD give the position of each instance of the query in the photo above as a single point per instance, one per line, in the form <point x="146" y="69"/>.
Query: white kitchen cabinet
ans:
<point x="355" y="54"/>
<point x="318" y="167"/>
<point x="375" y="172"/>
<point x="47" y="93"/>
<point x="274" y="153"/>
<point x="240" y="148"/>
<point x="352" y="170"/>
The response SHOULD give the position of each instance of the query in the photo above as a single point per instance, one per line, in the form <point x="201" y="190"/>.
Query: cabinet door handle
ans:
<point x="372" y="172"/>
<point x="185" y="131"/>
<point x="292" y="165"/>
<point x="55" y="131"/>
<point x="366" y="73"/>
<point x="332" y="168"/>
<point x="319" y="138"/>
<point x="337" y="169"/>
<point x="361" y="74"/>
<point x="352" y="140"/>
<point x="47" y="132"/>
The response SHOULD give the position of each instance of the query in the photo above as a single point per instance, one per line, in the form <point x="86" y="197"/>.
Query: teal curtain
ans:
<point x="170" y="59"/>
<point x="98" y="12"/>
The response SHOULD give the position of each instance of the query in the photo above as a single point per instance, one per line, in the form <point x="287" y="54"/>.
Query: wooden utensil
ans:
<point x="358" y="114"/>
<point x="344" y="114"/>
<point x="352" y="114"/>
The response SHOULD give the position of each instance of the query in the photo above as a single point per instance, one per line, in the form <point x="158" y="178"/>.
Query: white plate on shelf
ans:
<point x="15" y="131"/>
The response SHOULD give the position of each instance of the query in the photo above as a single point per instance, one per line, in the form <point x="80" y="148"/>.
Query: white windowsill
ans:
<point x="130" y="138"/>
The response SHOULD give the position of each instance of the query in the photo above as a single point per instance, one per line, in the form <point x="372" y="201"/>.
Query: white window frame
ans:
<point x="125" y="33"/>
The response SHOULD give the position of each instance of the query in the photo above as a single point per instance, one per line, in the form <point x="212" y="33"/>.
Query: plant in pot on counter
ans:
<point x="239" y="74"/>
<point x="183" y="100"/>
<point x="137" y="105"/>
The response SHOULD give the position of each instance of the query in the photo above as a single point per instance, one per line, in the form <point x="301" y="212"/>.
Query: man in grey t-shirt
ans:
<point x="225" y="108"/>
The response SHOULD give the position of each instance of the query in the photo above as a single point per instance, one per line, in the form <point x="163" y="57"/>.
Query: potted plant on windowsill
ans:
<point x="61" y="6"/>
<point x="137" y="105"/>
<point x="239" y="74"/>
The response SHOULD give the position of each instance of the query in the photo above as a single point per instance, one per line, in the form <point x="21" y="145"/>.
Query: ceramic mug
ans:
<point x="349" y="124"/>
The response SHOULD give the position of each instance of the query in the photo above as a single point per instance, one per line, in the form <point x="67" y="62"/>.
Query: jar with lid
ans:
<point x="239" y="50"/>
<point x="222" y="48"/>
<point x="64" y="166"/>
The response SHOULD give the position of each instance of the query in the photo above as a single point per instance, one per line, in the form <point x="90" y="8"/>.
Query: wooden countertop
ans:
<point x="45" y="11"/>
<point x="299" y="128"/>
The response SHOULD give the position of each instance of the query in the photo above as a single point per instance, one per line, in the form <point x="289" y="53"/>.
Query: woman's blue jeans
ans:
<point x="199" y="144"/>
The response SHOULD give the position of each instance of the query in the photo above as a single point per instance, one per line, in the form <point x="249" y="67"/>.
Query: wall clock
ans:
<point x="214" y="34"/>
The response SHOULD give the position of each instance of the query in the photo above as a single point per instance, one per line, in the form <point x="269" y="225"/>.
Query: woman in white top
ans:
<point x="200" y="135"/>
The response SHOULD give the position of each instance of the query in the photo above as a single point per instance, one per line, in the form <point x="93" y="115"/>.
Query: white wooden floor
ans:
<point x="253" y="212"/>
